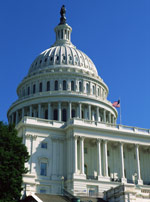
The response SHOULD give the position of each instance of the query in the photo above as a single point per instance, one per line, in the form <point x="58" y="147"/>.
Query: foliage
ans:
<point x="13" y="155"/>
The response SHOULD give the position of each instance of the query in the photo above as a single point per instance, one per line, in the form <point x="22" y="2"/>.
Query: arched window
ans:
<point x="28" y="90"/>
<point x="40" y="87"/>
<point x="48" y="86"/>
<point x="73" y="113"/>
<point x="64" y="115"/>
<point x="64" y="85"/>
<point x="34" y="89"/>
<point x="80" y="86"/>
<point x="46" y="114"/>
<point x="56" y="85"/>
<point x="93" y="90"/>
<point x="72" y="85"/>
<point x="87" y="88"/>
<point x="55" y="115"/>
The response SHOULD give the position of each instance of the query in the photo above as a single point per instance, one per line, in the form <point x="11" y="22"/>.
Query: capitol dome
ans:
<point x="62" y="53"/>
<point x="62" y="83"/>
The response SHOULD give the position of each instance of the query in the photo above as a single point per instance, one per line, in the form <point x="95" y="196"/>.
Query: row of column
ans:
<point x="89" y="114"/>
<point x="105" y="158"/>
<point x="86" y="87"/>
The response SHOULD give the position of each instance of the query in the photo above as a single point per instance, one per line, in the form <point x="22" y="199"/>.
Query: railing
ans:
<point x="91" y="177"/>
<point x="116" y="127"/>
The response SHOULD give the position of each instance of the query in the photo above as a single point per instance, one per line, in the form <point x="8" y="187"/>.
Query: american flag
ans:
<point x="116" y="104"/>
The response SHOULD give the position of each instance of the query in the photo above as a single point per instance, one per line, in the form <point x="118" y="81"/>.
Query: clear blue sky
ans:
<point x="115" y="34"/>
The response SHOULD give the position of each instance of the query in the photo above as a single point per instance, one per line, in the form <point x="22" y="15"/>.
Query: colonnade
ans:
<point x="104" y="175"/>
<point x="79" y="110"/>
<point x="74" y="85"/>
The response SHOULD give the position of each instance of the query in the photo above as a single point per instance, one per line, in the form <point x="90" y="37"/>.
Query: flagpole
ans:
<point x="120" y="112"/>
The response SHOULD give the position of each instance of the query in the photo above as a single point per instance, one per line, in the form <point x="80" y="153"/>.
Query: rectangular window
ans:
<point x="44" y="145"/>
<point x="85" y="150"/>
<point x="43" y="170"/>
<point x="42" y="191"/>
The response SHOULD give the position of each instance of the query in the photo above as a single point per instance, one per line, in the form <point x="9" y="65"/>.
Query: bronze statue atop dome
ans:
<point x="63" y="17"/>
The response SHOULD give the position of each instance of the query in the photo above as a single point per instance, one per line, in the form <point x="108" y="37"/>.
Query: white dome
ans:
<point x="64" y="55"/>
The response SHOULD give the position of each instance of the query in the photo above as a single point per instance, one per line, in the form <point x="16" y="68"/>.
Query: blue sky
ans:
<point x="115" y="34"/>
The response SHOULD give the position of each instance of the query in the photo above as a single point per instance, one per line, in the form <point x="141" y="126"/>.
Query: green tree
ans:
<point x="13" y="155"/>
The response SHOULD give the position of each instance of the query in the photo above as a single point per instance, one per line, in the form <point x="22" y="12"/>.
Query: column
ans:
<point x="99" y="167"/>
<point x="140" y="181"/>
<point x="16" y="116"/>
<point x="49" y="111"/>
<point x="89" y="110"/>
<point x="30" y="110"/>
<point x="82" y="154"/>
<point x="104" y="116"/>
<point x="123" y="179"/>
<point x="59" y="111"/>
<point x="80" y="110"/>
<point x="22" y="112"/>
<point x="75" y="139"/>
<point x="105" y="159"/>
<point x="69" y="111"/>
<point x="97" y="113"/>
<point x="39" y="110"/>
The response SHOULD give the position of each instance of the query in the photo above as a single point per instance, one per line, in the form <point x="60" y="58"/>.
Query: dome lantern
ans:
<point x="63" y="30"/>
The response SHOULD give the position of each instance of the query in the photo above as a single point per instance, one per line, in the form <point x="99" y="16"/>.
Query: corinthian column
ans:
<point x="140" y="181"/>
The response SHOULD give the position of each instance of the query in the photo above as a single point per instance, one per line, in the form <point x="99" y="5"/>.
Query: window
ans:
<point x="55" y="114"/>
<point x="43" y="170"/>
<point x="93" y="90"/>
<point x="34" y="88"/>
<point x="64" y="85"/>
<point x="80" y="86"/>
<point x="44" y="145"/>
<point x="45" y="60"/>
<point x="87" y="88"/>
<point x="64" y="115"/>
<point x="40" y="87"/>
<point x="73" y="113"/>
<point x="61" y="34"/>
<point x="85" y="150"/>
<point x="28" y="90"/>
<point x="46" y="114"/>
<point x="72" y="85"/>
<point x="48" y="86"/>
<point x="107" y="152"/>
<point x="56" y="85"/>
<point x="82" y="114"/>
<point x="42" y="191"/>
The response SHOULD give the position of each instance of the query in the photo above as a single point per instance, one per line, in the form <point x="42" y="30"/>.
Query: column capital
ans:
<point x="75" y="137"/>
<point x="82" y="138"/>
<point x="105" y="141"/>
<point x="99" y="140"/>
<point x="121" y="143"/>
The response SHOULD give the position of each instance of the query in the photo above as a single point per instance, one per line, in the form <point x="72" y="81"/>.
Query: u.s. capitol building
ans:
<point x="69" y="127"/>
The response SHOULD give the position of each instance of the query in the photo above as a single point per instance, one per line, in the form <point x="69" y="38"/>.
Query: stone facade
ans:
<point x="69" y="127"/>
